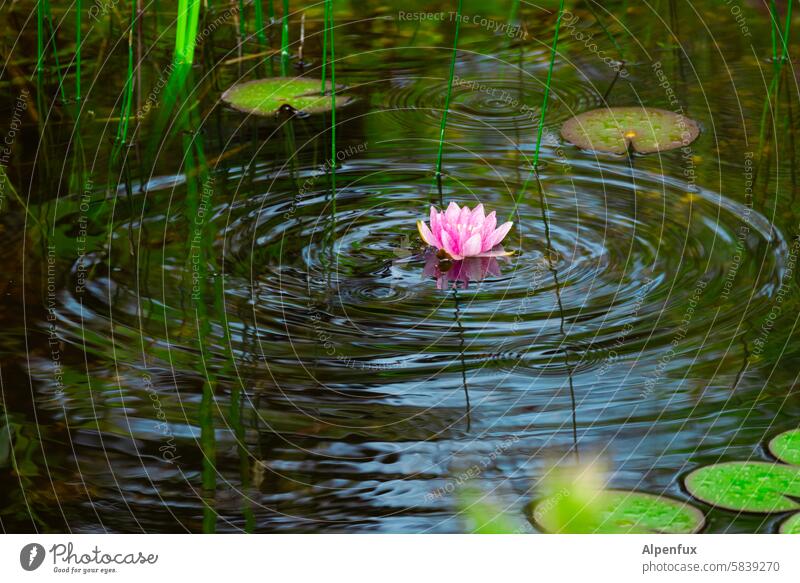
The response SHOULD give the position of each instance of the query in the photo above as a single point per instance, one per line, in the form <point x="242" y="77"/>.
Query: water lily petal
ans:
<point x="427" y="236"/>
<point x="451" y="214"/>
<point x="436" y="223"/>
<point x="500" y="233"/>
<point x="450" y="246"/>
<point x="472" y="246"/>
<point x="477" y="216"/>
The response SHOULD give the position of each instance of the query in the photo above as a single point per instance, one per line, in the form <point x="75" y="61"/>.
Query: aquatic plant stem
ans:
<point x="513" y="11"/>
<point x="285" y="40"/>
<point x="774" y="86"/>
<point x="49" y="20"/>
<point x="260" y="35"/>
<point x="449" y="92"/>
<point x="333" y="108"/>
<point x="545" y="99"/>
<point x="325" y="45"/>
<point x="467" y="404"/>
<point x="78" y="50"/>
<point x="127" y="100"/>
<point x="242" y="25"/>
<point x="773" y="29"/>
<point x="40" y="43"/>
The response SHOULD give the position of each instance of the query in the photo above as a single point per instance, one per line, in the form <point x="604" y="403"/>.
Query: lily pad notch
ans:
<point x="621" y="130"/>
<point x="269" y="97"/>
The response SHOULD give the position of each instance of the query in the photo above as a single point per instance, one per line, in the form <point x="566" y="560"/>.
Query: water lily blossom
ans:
<point x="461" y="232"/>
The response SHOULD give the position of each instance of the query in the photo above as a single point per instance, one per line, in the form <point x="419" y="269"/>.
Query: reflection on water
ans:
<point x="449" y="273"/>
<point x="221" y="347"/>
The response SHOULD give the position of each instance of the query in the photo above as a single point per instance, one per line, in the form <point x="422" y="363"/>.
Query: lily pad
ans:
<point x="619" y="129"/>
<point x="786" y="447"/>
<point x="791" y="525"/>
<point x="621" y="511"/>
<point x="269" y="96"/>
<point x="747" y="486"/>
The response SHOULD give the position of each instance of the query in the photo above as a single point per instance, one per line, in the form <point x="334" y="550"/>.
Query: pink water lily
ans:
<point x="461" y="232"/>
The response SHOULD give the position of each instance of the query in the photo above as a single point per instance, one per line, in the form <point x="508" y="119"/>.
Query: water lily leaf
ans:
<point x="791" y="525"/>
<point x="268" y="96"/>
<point x="621" y="511"/>
<point x="747" y="486"/>
<point x="786" y="447"/>
<point x="618" y="129"/>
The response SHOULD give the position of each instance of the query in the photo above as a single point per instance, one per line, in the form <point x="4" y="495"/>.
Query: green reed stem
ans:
<point x="40" y="42"/>
<point x="774" y="86"/>
<point x="774" y="30"/>
<point x="545" y="99"/>
<point x="78" y="51"/>
<point x="333" y="107"/>
<point x="127" y="100"/>
<point x="512" y="13"/>
<point x="285" y="40"/>
<point x="260" y="31"/>
<point x="786" y="31"/>
<point x="242" y="27"/>
<point x="186" y="31"/>
<point x="49" y="20"/>
<point x="449" y="91"/>
<point x="325" y="45"/>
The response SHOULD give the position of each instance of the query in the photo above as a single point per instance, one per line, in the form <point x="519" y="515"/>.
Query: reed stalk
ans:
<point x="127" y="98"/>
<point x="779" y="61"/>
<point x="545" y="99"/>
<point x="78" y="10"/>
<point x="449" y="92"/>
<point x="260" y="30"/>
<point x="40" y="44"/>
<point x="242" y="24"/>
<point x="285" y="40"/>
<point x="329" y="10"/>
<point x="325" y="45"/>
<point x="52" y="41"/>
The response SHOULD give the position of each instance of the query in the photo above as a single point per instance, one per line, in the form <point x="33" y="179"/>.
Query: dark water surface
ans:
<point x="248" y="354"/>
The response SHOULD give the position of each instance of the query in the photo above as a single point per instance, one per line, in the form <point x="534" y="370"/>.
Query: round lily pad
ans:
<point x="791" y="525"/>
<point x="620" y="129"/>
<point x="747" y="486"/>
<point x="269" y="96"/>
<point x="621" y="511"/>
<point x="786" y="447"/>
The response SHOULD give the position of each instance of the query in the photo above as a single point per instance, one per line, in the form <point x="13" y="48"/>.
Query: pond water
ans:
<point x="215" y="342"/>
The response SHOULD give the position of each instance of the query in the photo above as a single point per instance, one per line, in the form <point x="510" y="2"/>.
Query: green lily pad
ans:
<point x="747" y="486"/>
<point x="641" y="129"/>
<point x="786" y="447"/>
<point x="620" y="511"/>
<point x="791" y="525"/>
<point x="268" y="96"/>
